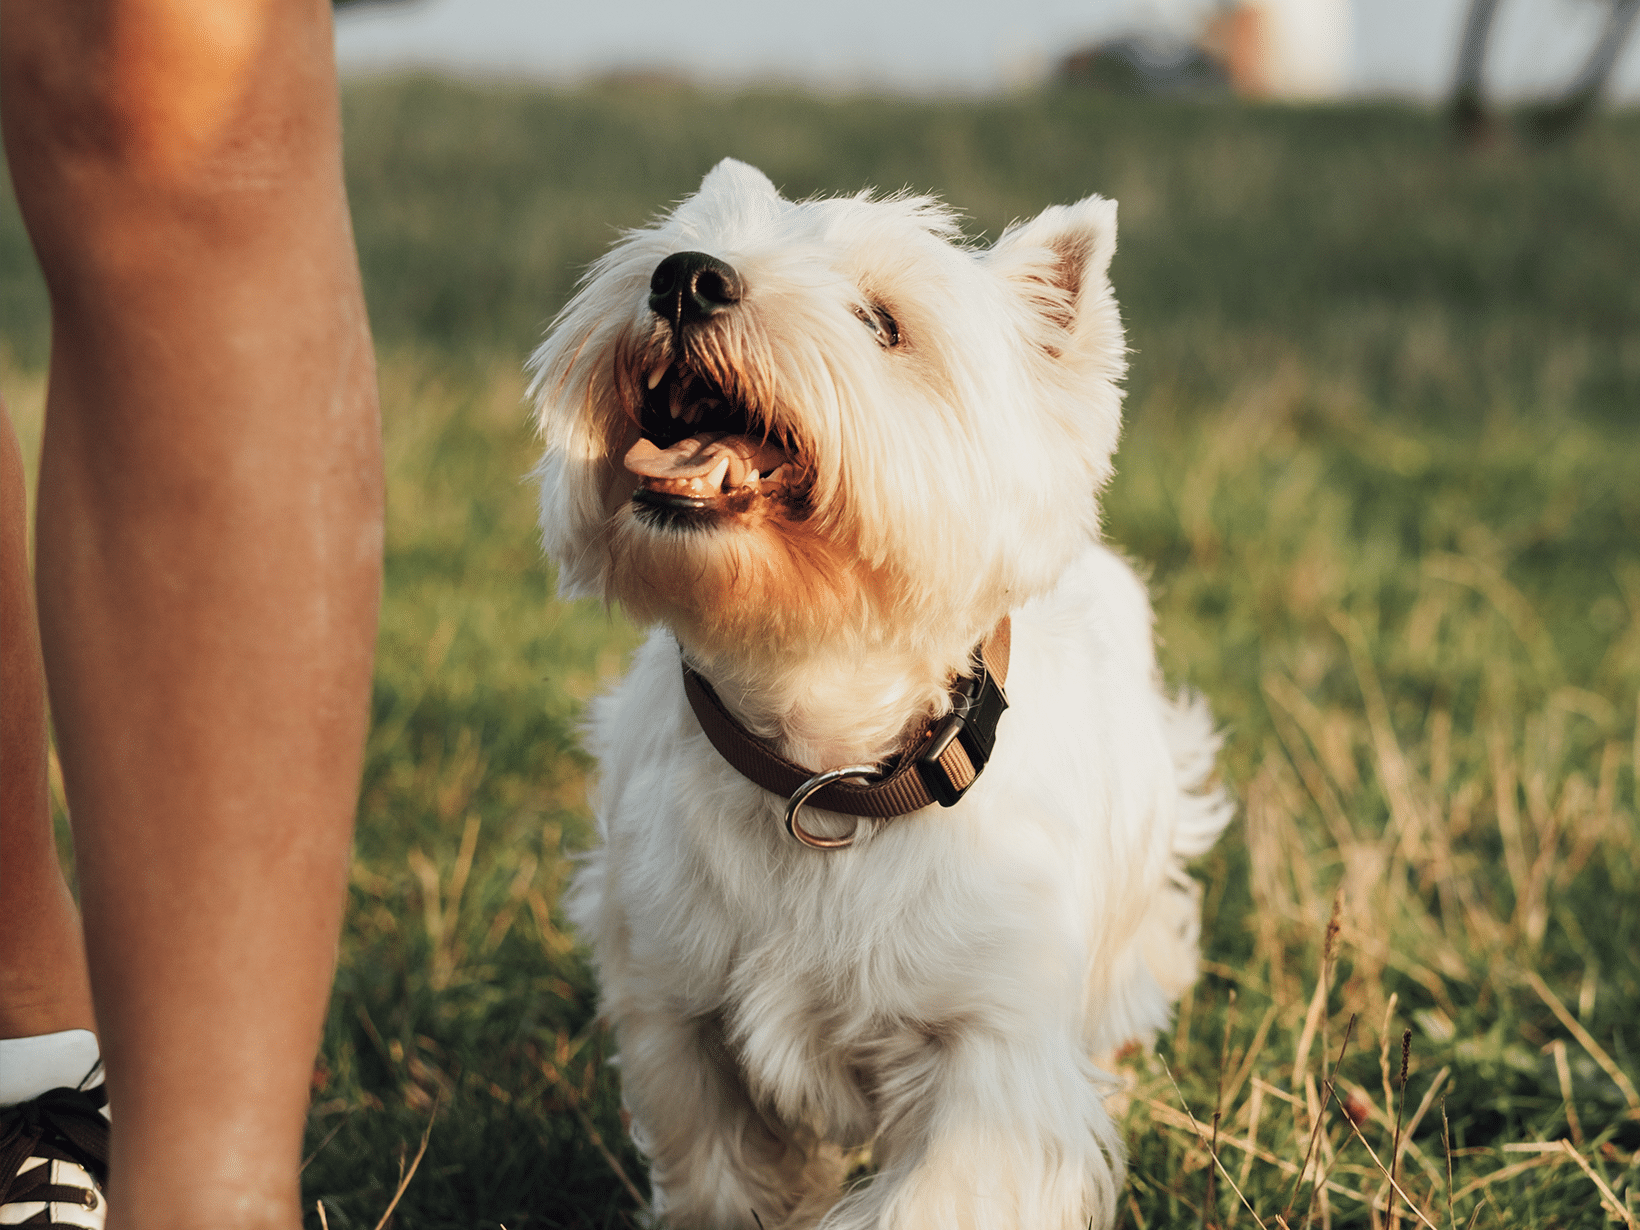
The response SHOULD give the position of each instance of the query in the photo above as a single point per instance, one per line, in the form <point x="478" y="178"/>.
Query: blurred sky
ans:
<point x="1401" y="47"/>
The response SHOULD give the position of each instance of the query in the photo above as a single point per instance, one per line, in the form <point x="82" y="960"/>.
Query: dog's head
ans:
<point x="775" y="424"/>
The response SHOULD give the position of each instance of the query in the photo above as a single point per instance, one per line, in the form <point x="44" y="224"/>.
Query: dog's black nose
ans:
<point x="690" y="286"/>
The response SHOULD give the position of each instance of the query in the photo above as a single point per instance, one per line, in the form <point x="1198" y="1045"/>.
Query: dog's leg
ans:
<point x="983" y="1131"/>
<point x="715" y="1157"/>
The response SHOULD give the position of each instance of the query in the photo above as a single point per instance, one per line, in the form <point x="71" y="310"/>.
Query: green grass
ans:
<point x="1381" y="464"/>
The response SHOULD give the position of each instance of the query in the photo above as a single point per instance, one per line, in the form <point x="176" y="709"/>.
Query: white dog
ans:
<point x="849" y="467"/>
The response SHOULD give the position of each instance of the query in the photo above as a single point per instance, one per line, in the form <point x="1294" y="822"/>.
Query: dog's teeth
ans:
<point x="714" y="480"/>
<point x="692" y="415"/>
<point x="777" y="475"/>
<point x="751" y="477"/>
<point x="675" y="402"/>
<point x="660" y="371"/>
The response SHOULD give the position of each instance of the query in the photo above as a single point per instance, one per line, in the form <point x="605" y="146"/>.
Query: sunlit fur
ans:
<point x="940" y="988"/>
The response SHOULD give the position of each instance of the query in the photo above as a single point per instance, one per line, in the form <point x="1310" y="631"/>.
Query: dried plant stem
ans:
<point x="1181" y="1027"/>
<point x="572" y="1095"/>
<point x="1329" y="954"/>
<point x="1563" y="1070"/>
<point x="1320" y="1118"/>
<point x="1218" y="1102"/>
<point x="407" y="1175"/>
<point x="1504" y="787"/>
<point x="1212" y="1171"/>
<point x="1301" y="713"/>
<point x="1224" y="1049"/>
<point x="1172" y="1118"/>
<point x="1319" y="1190"/>
<point x="1409" y="1146"/>
<point x="1315" y="1018"/>
<point x="1607" y="1196"/>
<point x="1254" y="1050"/>
<point x="1396" y="1187"/>
<point x="1424" y="1103"/>
<point x="1249" y="1145"/>
<point x="1585" y="1040"/>
<point x="1395" y="1148"/>
<point x="1504" y="1172"/>
<point x="1312" y="1022"/>
<point x="1218" y="1165"/>
<point x="1383" y="1051"/>
<point x="1552" y="1151"/>
<point x="1446" y="1144"/>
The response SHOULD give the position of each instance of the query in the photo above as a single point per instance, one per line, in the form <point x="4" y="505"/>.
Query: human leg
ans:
<point x="44" y="987"/>
<point x="46" y="1038"/>
<point x="208" y="564"/>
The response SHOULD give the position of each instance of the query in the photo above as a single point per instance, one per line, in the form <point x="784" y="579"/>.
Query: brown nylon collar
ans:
<point x="902" y="788"/>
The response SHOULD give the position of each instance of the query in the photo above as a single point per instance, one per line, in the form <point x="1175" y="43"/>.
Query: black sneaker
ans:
<point x="54" y="1160"/>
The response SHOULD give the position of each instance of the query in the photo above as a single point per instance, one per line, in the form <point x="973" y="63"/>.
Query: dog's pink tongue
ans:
<point x="691" y="458"/>
<point x="691" y="464"/>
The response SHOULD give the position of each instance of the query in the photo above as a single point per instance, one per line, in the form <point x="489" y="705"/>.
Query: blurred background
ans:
<point x="1380" y="270"/>
<point x="1305" y="48"/>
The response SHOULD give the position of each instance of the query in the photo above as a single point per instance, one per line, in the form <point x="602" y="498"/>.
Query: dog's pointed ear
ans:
<point x="735" y="178"/>
<point x="733" y="197"/>
<point x="1059" y="263"/>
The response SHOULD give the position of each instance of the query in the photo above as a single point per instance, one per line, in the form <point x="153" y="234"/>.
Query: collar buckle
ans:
<point x="960" y="745"/>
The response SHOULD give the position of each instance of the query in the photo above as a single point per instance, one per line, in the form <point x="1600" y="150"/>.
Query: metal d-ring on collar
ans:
<point x="801" y="795"/>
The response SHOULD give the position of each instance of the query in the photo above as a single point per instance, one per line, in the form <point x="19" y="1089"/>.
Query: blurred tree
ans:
<point x="1475" y="122"/>
<point x="1557" y="118"/>
<point x="1473" y="117"/>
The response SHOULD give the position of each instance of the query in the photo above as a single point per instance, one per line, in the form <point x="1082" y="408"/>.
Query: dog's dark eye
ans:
<point x="881" y="324"/>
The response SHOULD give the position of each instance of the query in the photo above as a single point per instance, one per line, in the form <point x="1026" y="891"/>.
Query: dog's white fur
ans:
<point x="938" y="988"/>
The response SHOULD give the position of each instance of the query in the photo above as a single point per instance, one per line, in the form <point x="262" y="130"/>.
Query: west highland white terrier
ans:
<point x="894" y="811"/>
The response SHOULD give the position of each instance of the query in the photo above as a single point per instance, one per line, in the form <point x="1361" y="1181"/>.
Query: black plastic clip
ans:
<point x="977" y="705"/>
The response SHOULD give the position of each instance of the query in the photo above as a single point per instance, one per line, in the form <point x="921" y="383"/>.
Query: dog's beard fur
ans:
<point x="940" y="421"/>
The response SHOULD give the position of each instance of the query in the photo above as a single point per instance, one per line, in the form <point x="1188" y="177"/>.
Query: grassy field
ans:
<point x="1381" y="460"/>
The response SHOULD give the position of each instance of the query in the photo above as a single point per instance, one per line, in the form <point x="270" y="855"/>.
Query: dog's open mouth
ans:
<point x="701" y="451"/>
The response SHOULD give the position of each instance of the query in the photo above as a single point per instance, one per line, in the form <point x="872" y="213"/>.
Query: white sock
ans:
<point x="30" y="1066"/>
